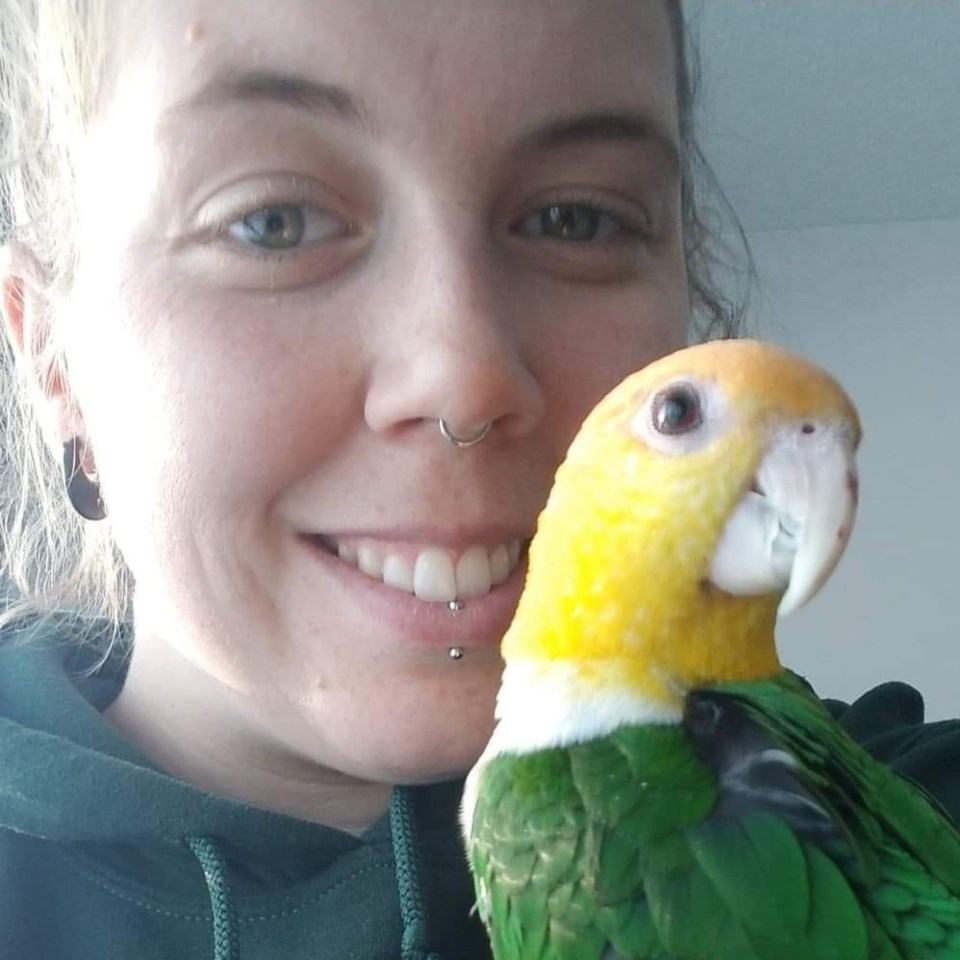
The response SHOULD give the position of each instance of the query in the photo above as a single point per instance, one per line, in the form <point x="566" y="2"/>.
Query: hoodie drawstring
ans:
<point x="413" y="913"/>
<point x="225" y="942"/>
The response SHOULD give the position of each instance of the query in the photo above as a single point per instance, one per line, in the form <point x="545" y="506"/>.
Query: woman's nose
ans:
<point x="449" y="346"/>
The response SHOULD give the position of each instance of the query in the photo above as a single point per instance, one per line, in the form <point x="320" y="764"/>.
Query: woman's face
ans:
<point x="307" y="233"/>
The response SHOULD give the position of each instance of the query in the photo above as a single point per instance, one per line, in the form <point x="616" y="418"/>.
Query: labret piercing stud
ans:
<point x="455" y="606"/>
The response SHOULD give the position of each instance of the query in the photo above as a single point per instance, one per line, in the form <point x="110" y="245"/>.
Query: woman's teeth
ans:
<point x="434" y="573"/>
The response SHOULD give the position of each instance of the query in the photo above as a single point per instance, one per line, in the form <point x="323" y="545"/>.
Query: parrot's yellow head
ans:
<point x="702" y="494"/>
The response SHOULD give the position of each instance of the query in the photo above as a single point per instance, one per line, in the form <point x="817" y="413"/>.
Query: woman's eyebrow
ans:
<point x="318" y="98"/>
<point x="604" y="125"/>
<point x="302" y="93"/>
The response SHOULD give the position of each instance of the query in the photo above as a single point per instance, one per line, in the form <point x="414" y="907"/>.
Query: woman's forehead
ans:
<point x="390" y="61"/>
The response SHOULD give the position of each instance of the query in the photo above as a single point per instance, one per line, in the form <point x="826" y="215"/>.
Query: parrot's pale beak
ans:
<point x="790" y="529"/>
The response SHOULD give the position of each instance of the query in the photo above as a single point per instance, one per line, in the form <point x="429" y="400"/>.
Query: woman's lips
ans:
<point x="477" y="620"/>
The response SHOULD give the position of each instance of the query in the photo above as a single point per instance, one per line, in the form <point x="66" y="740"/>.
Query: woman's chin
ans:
<point x="413" y="758"/>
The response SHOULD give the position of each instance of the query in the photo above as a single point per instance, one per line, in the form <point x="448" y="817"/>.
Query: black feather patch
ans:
<point x="753" y="771"/>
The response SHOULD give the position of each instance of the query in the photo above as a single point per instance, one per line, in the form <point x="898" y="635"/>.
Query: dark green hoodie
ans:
<point x="104" y="856"/>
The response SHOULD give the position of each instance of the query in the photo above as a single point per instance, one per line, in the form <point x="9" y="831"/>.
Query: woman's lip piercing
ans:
<point x="463" y="442"/>
<point x="455" y="653"/>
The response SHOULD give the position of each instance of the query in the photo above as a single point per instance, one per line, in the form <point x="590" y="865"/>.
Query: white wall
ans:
<point x="879" y="306"/>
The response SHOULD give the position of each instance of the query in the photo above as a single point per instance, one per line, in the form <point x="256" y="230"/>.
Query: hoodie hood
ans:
<point x="53" y="739"/>
<point x="67" y="777"/>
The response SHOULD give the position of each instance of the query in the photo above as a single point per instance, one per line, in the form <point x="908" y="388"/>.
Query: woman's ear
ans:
<point x="12" y="289"/>
<point x="26" y="316"/>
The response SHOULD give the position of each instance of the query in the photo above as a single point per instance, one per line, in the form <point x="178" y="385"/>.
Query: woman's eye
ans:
<point x="285" y="226"/>
<point x="575" y="223"/>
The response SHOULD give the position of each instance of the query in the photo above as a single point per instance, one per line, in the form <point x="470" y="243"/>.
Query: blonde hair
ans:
<point x="51" y="73"/>
<point x="52" y="77"/>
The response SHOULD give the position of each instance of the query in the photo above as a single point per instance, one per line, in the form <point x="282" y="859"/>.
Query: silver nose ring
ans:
<point x="463" y="442"/>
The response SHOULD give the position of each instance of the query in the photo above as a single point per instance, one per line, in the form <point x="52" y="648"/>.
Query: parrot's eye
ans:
<point x="676" y="409"/>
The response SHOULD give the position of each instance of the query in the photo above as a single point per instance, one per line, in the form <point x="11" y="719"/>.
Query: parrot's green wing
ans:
<point x="757" y="830"/>
<point x="559" y="840"/>
<point x="899" y="851"/>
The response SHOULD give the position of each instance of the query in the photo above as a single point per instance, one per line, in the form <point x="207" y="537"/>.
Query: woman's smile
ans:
<point x="430" y="571"/>
<point x="436" y="610"/>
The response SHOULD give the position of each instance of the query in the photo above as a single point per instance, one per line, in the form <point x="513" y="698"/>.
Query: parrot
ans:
<point x="657" y="784"/>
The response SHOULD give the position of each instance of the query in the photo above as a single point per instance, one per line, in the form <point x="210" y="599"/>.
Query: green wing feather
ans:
<point x="904" y="858"/>
<point x="625" y="848"/>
